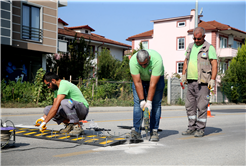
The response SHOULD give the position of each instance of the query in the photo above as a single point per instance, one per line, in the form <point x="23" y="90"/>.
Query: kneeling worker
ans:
<point x="147" y="70"/>
<point x="69" y="105"/>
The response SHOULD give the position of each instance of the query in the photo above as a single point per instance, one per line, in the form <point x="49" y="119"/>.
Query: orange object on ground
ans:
<point x="209" y="112"/>
<point x="83" y="121"/>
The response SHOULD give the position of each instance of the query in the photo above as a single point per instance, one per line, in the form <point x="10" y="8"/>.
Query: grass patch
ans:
<point x="18" y="105"/>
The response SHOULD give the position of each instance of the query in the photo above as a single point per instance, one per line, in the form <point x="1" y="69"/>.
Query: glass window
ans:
<point x="181" y="24"/>
<point x="223" y="42"/>
<point x="145" y="45"/>
<point x="181" y="43"/>
<point x="31" y="23"/>
<point x="180" y="67"/>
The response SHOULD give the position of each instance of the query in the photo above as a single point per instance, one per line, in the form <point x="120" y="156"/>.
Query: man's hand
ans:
<point x="148" y="105"/>
<point x="42" y="127"/>
<point x="142" y="104"/>
<point x="183" y="79"/>
<point x="211" y="84"/>
<point x="39" y="121"/>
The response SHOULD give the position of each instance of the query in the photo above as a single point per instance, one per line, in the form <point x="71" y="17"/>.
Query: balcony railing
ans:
<point x="226" y="52"/>
<point x="31" y="33"/>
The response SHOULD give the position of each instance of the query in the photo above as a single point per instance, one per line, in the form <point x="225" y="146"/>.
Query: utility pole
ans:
<point x="196" y="14"/>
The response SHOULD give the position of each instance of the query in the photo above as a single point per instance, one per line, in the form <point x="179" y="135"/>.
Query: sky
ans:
<point x="118" y="20"/>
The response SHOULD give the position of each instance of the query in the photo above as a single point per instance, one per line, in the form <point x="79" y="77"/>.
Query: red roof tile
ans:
<point x="92" y="37"/>
<point x="61" y="21"/>
<point x="214" y="25"/>
<point x="82" y="26"/>
<point x="144" y="34"/>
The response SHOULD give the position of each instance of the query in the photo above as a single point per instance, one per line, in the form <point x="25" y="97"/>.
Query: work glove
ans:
<point x="42" y="127"/>
<point x="211" y="84"/>
<point x="183" y="79"/>
<point x="148" y="105"/>
<point x="142" y="104"/>
<point x="39" y="121"/>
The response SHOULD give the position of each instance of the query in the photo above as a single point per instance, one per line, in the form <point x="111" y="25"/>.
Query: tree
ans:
<point x="111" y="68"/>
<point x="78" y="62"/>
<point x="140" y="48"/>
<point x="234" y="81"/>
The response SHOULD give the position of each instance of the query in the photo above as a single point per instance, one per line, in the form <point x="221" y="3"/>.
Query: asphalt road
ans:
<point x="223" y="143"/>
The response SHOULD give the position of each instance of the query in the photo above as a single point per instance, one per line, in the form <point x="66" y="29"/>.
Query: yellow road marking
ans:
<point x="192" y="137"/>
<point x="108" y="141"/>
<point x="91" y="140"/>
<point x="92" y="136"/>
<point x="19" y="132"/>
<point x="41" y="134"/>
<point x="79" y="138"/>
<point x="54" y="135"/>
<point x="64" y="137"/>
<point x="119" y="138"/>
<point x="76" y="153"/>
<point x="29" y="133"/>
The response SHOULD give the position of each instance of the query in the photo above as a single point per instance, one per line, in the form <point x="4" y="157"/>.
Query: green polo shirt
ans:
<point x="70" y="91"/>
<point x="155" y="67"/>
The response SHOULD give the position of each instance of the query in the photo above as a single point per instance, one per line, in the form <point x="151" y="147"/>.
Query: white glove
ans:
<point x="39" y="121"/>
<point x="183" y="79"/>
<point x="211" y="84"/>
<point x="142" y="104"/>
<point x="148" y="105"/>
<point x="42" y="127"/>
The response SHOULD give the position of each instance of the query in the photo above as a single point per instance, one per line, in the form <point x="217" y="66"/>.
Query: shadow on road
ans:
<point x="166" y="133"/>
<point x="211" y="130"/>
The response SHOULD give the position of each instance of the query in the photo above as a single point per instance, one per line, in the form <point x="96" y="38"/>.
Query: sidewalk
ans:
<point x="9" y="111"/>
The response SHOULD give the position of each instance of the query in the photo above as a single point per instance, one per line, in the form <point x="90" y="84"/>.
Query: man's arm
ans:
<point x="54" y="108"/>
<point x="184" y="67"/>
<point x="214" y="68"/>
<point x="152" y="87"/>
<point x="138" y="85"/>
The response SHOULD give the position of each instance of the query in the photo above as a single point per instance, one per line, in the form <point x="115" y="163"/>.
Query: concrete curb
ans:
<point x="9" y="111"/>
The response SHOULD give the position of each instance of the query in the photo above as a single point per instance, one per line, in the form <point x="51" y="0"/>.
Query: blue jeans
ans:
<point x="156" y="105"/>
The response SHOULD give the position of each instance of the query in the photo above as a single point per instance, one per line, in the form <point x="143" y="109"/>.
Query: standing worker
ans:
<point x="69" y="105"/>
<point x="147" y="70"/>
<point x="199" y="70"/>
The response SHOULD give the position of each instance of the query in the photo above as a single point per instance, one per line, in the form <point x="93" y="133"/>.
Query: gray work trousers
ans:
<point x="197" y="99"/>
<point x="69" y="109"/>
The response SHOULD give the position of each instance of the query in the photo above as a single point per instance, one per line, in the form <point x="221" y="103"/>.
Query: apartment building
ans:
<point x="171" y="37"/>
<point x="29" y="31"/>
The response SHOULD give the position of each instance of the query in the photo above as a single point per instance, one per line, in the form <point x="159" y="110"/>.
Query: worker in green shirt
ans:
<point x="147" y="70"/>
<point x="69" y="105"/>
<point x="199" y="71"/>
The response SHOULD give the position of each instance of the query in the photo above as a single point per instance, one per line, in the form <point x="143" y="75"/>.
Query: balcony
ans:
<point x="226" y="52"/>
<point x="31" y="33"/>
<point x="62" y="3"/>
<point x="62" y="45"/>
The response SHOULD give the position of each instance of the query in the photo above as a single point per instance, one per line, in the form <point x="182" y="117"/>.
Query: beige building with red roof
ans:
<point x="171" y="36"/>
<point x="67" y="34"/>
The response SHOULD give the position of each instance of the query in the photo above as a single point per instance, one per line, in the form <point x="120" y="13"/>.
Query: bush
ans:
<point x="234" y="81"/>
<point x="42" y="95"/>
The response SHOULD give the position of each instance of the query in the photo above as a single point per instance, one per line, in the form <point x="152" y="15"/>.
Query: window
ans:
<point x="223" y="42"/>
<point x="223" y="67"/>
<point x="237" y="44"/>
<point x="145" y="45"/>
<point x="31" y="23"/>
<point x="86" y="31"/>
<point x="181" y="43"/>
<point x="180" y="67"/>
<point x="181" y="24"/>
